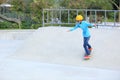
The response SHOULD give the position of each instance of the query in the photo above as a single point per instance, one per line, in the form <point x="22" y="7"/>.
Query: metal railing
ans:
<point x="67" y="16"/>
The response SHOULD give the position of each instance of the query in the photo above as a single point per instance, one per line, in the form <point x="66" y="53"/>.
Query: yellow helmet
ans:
<point x="79" y="17"/>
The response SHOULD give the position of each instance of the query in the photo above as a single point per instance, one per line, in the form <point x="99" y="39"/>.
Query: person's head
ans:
<point x="79" y="18"/>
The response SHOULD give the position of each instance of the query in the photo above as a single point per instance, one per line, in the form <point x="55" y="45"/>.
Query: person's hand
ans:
<point x="95" y="25"/>
<point x="68" y="30"/>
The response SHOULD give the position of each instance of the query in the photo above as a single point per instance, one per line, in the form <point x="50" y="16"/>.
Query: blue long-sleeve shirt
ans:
<point x="84" y="26"/>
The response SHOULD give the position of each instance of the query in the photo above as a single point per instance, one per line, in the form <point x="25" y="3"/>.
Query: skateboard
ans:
<point x="87" y="57"/>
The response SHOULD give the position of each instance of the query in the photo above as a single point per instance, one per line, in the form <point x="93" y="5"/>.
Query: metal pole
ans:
<point x="105" y="17"/>
<point x="95" y="17"/>
<point x="47" y="16"/>
<point x="60" y="18"/>
<point x="86" y="15"/>
<point x="52" y="18"/>
<point x="43" y="18"/>
<point x="114" y="18"/>
<point x="68" y="16"/>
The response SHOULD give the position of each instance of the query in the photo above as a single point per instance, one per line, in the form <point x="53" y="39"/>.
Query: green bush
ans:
<point x="36" y="26"/>
<point x="8" y="25"/>
<point x="25" y="25"/>
<point x="63" y="25"/>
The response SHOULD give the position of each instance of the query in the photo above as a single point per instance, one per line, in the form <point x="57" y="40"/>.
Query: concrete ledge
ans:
<point x="15" y="34"/>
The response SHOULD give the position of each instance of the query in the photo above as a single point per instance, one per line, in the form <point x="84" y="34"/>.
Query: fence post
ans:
<point x="114" y="18"/>
<point x="43" y="19"/>
<point x="68" y="16"/>
<point x="86" y="15"/>
<point x="60" y="18"/>
<point x="47" y="16"/>
<point x="95" y="17"/>
<point x="105" y="17"/>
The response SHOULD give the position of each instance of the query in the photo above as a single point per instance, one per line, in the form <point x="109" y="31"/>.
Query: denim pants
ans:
<point x="86" y="45"/>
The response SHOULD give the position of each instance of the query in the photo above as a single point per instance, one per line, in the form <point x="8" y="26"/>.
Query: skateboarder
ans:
<point x="86" y="34"/>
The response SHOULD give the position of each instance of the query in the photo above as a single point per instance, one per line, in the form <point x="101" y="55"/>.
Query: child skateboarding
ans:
<point x="84" y="25"/>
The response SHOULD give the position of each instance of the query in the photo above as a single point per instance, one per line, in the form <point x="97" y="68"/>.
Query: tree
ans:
<point x="116" y="3"/>
<point x="18" y="5"/>
<point x="98" y="4"/>
<point x="91" y="4"/>
<point x="2" y="1"/>
<point x="37" y="7"/>
<point x="71" y="4"/>
<point x="19" y="9"/>
<point x="86" y="4"/>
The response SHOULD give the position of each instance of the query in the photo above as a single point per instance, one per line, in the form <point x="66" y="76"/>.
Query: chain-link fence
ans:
<point x="63" y="17"/>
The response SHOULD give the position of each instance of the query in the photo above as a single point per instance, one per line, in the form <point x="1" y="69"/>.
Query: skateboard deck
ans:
<point x="87" y="57"/>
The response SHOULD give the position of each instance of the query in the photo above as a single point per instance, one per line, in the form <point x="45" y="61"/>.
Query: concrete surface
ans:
<point x="15" y="34"/>
<point x="55" y="45"/>
<point x="12" y="69"/>
<point x="53" y="54"/>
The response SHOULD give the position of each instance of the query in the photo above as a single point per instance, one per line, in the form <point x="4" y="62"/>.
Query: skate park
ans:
<point x="51" y="53"/>
<point x="35" y="43"/>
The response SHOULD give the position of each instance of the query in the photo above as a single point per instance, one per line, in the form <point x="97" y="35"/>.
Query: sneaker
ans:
<point x="86" y="57"/>
<point x="90" y="49"/>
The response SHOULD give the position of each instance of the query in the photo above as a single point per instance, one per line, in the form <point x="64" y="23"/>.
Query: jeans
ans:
<point x="86" y="45"/>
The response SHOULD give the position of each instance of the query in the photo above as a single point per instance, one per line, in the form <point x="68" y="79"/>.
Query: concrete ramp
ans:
<point x="54" y="45"/>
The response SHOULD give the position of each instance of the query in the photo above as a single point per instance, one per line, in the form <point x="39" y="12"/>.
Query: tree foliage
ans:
<point x="37" y="7"/>
<point x="34" y="8"/>
<point x="2" y="1"/>
<point x="116" y="3"/>
<point x="17" y="8"/>
<point x="86" y="4"/>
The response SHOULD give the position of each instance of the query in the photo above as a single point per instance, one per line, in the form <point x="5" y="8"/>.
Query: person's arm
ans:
<point x="74" y="28"/>
<point x="90" y="25"/>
